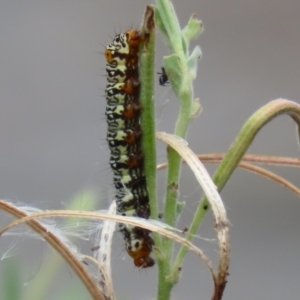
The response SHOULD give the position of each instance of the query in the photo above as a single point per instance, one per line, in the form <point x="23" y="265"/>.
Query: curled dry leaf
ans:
<point x="151" y="225"/>
<point x="57" y="244"/>
<point x="209" y="188"/>
<point x="103" y="255"/>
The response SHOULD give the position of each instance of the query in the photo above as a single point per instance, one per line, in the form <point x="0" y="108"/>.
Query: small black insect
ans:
<point x="163" y="78"/>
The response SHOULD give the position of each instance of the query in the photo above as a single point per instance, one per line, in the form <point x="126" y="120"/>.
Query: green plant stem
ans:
<point x="171" y="25"/>
<point x="174" y="163"/>
<point x="164" y="286"/>
<point x="167" y="21"/>
<point x="236" y="152"/>
<point x="147" y="63"/>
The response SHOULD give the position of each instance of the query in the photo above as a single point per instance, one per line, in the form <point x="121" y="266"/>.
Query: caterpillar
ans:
<point x="124" y="135"/>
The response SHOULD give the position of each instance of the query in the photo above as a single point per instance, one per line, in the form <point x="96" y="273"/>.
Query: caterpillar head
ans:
<point x="140" y="249"/>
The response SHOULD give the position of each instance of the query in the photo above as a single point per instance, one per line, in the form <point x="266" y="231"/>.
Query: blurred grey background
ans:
<point x="52" y="129"/>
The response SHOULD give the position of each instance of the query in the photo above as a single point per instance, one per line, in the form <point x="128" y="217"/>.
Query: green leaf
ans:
<point x="193" y="62"/>
<point x="173" y="70"/>
<point x="193" y="29"/>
